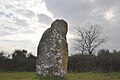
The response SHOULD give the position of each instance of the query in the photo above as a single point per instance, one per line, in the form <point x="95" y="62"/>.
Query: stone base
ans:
<point x="42" y="77"/>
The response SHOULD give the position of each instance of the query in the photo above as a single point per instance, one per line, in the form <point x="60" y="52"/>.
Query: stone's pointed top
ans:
<point x="60" y="21"/>
<point x="61" y="26"/>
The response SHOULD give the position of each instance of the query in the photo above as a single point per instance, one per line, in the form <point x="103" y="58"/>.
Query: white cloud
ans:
<point x="80" y="12"/>
<point x="108" y="15"/>
<point x="19" y="24"/>
<point x="22" y="22"/>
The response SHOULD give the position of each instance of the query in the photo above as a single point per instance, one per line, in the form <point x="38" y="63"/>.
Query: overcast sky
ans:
<point x="22" y="22"/>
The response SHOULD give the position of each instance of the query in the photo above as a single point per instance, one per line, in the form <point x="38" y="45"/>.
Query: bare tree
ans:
<point x="88" y="39"/>
<point x="80" y="41"/>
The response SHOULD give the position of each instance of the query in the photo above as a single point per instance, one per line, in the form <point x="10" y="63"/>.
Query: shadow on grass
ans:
<point x="40" y="77"/>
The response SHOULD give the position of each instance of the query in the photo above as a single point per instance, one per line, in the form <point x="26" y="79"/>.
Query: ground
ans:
<point x="70" y="76"/>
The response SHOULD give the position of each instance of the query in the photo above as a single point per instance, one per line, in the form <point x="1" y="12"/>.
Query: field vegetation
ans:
<point x="70" y="76"/>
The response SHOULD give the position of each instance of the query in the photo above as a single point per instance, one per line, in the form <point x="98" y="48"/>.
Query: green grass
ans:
<point x="50" y="78"/>
<point x="70" y="76"/>
<point x="17" y="76"/>
<point x="94" y="76"/>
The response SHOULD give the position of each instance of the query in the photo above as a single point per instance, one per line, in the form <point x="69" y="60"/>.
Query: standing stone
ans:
<point x="52" y="53"/>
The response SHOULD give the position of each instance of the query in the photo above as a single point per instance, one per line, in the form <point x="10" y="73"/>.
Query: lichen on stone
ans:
<point x="52" y="53"/>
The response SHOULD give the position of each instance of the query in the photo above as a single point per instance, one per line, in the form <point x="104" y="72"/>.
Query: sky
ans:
<point x="22" y="22"/>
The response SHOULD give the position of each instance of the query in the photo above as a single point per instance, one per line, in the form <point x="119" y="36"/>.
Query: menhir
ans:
<point x="52" y="52"/>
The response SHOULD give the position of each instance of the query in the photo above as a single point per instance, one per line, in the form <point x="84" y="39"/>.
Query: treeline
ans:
<point x="103" y="61"/>
<point x="19" y="60"/>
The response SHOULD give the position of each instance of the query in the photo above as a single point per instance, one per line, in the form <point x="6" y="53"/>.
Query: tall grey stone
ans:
<point x="52" y="52"/>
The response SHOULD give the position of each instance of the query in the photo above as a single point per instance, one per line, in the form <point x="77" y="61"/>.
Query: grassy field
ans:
<point x="70" y="76"/>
